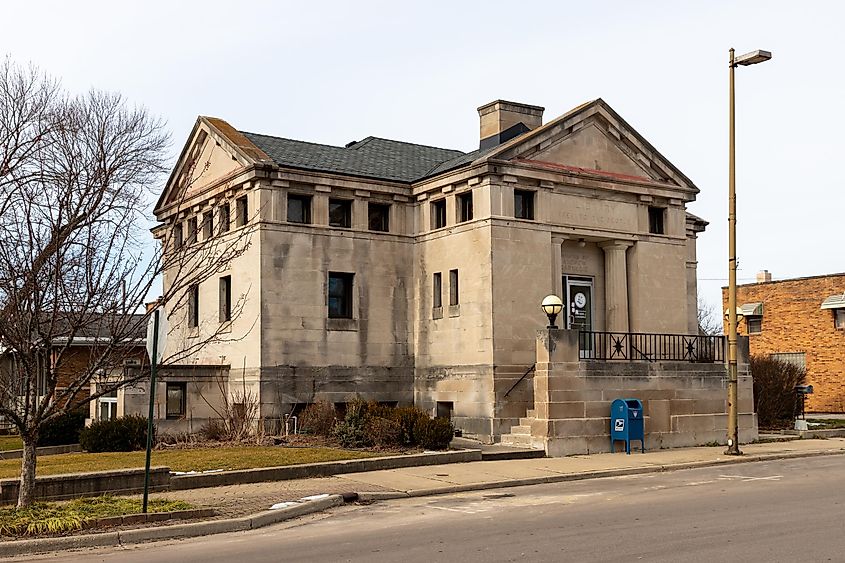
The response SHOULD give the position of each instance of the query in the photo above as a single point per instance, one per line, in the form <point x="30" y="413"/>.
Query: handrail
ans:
<point x="652" y="347"/>
<point x="524" y="375"/>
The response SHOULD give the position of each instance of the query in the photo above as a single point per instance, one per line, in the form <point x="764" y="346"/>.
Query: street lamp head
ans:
<point x="753" y="58"/>
<point x="552" y="306"/>
<point x="739" y="313"/>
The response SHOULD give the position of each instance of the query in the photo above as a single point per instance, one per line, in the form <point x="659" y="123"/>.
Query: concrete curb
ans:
<point x="193" y="529"/>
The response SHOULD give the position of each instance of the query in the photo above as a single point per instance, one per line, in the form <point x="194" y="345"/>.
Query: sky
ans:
<point x="333" y="72"/>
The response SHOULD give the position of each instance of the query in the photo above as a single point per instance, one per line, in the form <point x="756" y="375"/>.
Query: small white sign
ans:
<point x="619" y="425"/>
<point x="162" y="334"/>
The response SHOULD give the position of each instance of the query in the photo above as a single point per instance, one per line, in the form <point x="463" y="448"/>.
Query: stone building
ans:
<point x="413" y="274"/>
<point x="800" y="320"/>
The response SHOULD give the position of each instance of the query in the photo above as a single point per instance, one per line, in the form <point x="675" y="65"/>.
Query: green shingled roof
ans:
<point x="372" y="157"/>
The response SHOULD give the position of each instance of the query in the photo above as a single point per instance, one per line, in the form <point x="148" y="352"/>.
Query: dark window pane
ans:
<point x="465" y="203"/>
<point x="243" y="211"/>
<point x="379" y="217"/>
<point x="340" y="295"/>
<point x="192" y="230"/>
<point x="225" y="298"/>
<point x="453" y="287"/>
<point x="523" y="204"/>
<point x="437" y="288"/>
<point x="225" y="218"/>
<point x="438" y="214"/>
<point x="175" y="400"/>
<point x="655" y="220"/>
<point x="299" y="208"/>
<point x="340" y="213"/>
<point x="194" y="306"/>
<point x="207" y="225"/>
<point x="177" y="235"/>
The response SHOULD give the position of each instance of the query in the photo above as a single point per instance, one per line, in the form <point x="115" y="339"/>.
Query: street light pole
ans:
<point x="733" y="414"/>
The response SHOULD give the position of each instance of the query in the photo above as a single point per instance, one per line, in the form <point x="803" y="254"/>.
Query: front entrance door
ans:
<point x="579" y="302"/>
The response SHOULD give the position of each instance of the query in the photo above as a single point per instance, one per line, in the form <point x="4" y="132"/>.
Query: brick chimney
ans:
<point x="502" y="121"/>
<point x="764" y="276"/>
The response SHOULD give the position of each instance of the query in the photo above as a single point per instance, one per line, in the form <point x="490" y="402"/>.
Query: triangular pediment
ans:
<point x="214" y="150"/>
<point x="593" y="138"/>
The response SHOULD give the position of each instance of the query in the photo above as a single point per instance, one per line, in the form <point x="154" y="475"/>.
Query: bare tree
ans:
<point x="76" y="179"/>
<point x="709" y="322"/>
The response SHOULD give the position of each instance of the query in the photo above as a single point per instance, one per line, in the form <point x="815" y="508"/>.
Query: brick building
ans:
<point x="800" y="320"/>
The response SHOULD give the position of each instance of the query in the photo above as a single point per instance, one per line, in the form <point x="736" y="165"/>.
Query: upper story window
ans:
<point x="178" y="236"/>
<point x="242" y="210"/>
<point x="194" y="306"/>
<point x="378" y="216"/>
<point x="340" y="295"/>
<point x="192" y="230"/>
<point x="453" y="287"/>
<point x="437" y="290"/>
<point x="465" y="206"/>
<point x="523" y="204"/>
<point x="340" y="213"/>
<point x="299" y="208"/>
<point x="207" y="225"/>
<point x="225" y="299"/>
<point x="225" y="213"/>
<point x="655" y="220"/>
<point x="438" y="214"/>
<point x="754" y="324"/>
<point x="839" y="318"/>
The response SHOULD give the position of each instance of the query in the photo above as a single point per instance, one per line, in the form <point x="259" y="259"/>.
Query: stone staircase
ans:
<point x="520" y="435"/>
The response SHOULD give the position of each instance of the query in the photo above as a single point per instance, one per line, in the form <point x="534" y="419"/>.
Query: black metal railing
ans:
<point x="628" y="346"/>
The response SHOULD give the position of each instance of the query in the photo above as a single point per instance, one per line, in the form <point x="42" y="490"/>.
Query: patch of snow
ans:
<point x="314" y="497"/>
<point x="279" y="505"/>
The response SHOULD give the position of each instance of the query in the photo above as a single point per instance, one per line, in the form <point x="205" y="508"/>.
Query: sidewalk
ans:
<point x="238" y="500"/>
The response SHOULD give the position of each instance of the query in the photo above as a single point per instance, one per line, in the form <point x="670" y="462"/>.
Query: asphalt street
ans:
<point x="774" y="511"/>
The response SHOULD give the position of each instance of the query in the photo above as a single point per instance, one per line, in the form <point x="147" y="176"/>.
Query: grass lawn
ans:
<point x="54" y="518"/>
<point x="828" y="422"/>
<point x="200" y="459"/>
<point x="10" y="443"/>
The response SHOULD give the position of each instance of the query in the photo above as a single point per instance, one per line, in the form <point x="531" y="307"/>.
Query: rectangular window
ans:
<point x="839" y="318"/>
<point x="299" y="208"/>
<point x="340" y="295"/>
<point x="176" y="400"/>
<point x="523" y="204"/>
<point x="178" y="235"/>
<point x="445" y="409"/>
<point x="242" y="206"/>
<point x="225" y="299"/>
<point x="437" y="288"/>
<point x="192" y="230"/>
<point x="194" y="306"/>
<point x="453" y="287"/>
<point x="225" y="218"/>
<point x="798" y="359"/>
<point x="207" y="225"/>
<point x="108" y="406"/>
<point x="438" y="214"/>
<point x="340" y="213"/>
<point x="754" y="324"/>
<point x="465" y="206"/>
<point x="655" y="220"/>
<point x="378" y="217"/>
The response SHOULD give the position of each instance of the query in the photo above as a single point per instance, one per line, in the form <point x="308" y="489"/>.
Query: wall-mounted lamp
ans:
<point x="552" y="306"/>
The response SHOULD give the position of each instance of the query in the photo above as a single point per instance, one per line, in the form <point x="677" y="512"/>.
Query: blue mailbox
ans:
<point x="626" y="423"/>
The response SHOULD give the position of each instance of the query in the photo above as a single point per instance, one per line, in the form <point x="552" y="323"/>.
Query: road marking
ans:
<point x="746" y="478"/>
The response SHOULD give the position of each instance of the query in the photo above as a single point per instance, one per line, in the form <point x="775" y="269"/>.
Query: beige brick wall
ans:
<point x="794" y="322"/>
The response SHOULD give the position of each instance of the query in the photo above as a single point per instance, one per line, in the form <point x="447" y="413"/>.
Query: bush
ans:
<point x="125" y="434"/>
<point x="62" y="430"/>
<point x="382" y="432"/>
<point x="434" y="433"/>
<point x="318" y="418"/>
<point x="214" y="430"/>
<point x="774" y="393"/>
<point x="351" y="432"/>
<point x="408" y="418"/>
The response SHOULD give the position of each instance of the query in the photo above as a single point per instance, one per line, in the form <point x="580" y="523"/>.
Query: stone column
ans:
<point x="557" y="268"/>
<point x="616" y="285"/>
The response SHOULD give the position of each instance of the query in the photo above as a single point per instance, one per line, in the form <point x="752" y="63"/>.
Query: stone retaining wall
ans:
<point x="74" y="485"/>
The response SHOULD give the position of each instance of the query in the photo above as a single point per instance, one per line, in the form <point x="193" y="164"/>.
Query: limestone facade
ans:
<point x="347" y="248"/>
<point x="786" y="320"/>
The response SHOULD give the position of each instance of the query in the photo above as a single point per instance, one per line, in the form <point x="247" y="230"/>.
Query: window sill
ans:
<point x="347" y="325"/>
<point x="437" y="312"/>
<point x="454" y="310"/>
<point x="193" y="332"/>
<point x="225" y="326"/>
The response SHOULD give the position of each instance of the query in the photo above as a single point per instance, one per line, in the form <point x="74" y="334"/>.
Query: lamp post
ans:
<point x="747" y="59"/>
<point x="552" y="306"/>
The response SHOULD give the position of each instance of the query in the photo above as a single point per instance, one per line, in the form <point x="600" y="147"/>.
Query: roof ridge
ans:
<point x="372" y="137"/>
<point x="291" y="140"/>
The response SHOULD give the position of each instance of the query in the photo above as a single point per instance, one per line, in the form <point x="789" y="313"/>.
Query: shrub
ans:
<point x="382" y="432"/>
<point x="125" y="434"/>
<point x="318" y="418"/>
<point x="62" y="430"/>
<point x="408" y="418"/>
<point x="434" y="433"/>
<point x="351" y="432"/>
<point x="215" y="430"/>
<point x="774" y="393"/>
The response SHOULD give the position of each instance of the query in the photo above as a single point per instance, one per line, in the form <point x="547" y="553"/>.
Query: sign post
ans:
<point x="156" y="335"/>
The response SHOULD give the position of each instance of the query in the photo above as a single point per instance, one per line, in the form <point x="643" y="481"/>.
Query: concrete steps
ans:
<point x="520" y="435"/>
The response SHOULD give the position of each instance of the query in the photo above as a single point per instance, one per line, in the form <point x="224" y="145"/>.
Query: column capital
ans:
<point x="559" y="239"/>
<point x="616" y="244"/>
